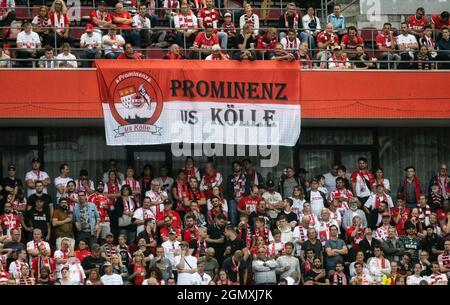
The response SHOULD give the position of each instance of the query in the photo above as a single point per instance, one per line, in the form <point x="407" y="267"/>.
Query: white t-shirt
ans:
<point x="31" y="175"/>
<point x="113" y="279"/>
<point x="140" y="22"/>
<point x="29" y="41"/>
<point x="272" y="199"/>
<point x="143" y="214"/>
<point x="70" y="58"/>
<point x="406" y="39"/>
<point x="58" y="180"/>
<point x="414" y="280"/>
<point x="171" y="250"/>
<point x="317" y="204"/>
<point x="198" y="279"/>
<point x="91" y="41"/>
<point x="254" y="18"/>
<point x="109" y="48"/>
<point x="185" y="278"/>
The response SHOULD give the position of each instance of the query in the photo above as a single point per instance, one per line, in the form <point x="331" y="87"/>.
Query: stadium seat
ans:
<point x="369" y="34"/>
<point x="22" y="12"/>
<point x="154" y="53"/>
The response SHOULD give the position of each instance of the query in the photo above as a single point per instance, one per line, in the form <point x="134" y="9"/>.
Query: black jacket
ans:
<point x="367" y="248"/>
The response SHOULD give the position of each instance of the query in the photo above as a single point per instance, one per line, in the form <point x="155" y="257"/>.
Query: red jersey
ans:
<point x="264" y="44"/>
<point x="358" y="237"/>
<point x="438" y="23"/>
<point x="9" y="221"/>
<point x="385" y="40"/>
<point x="415" y="24"/>
<point x="176" y="219"/>
<point x="123" y="15"/>
<point x="103" y="205"/>
<point x="323" y="37"/>
<point x="81" y="254"/>
<point x="101" y="16"/>
<point x="203" y="42"/>
<point x="190" y="234"/>
<point x="249" y="204"/>
<point x="209" y="17"/>
<point x="38" y="262"/>
<point x="403" y="218"/>
<point x="138" y="279"/>
<point x="350" y="43"/>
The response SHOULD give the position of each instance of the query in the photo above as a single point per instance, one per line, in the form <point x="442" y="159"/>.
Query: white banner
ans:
<point x="206" y="122"/>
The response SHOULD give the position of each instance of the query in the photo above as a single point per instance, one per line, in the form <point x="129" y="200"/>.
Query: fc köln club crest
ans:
<point x="136" y="103"/>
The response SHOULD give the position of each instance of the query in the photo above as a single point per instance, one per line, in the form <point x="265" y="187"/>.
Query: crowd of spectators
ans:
<point x="198" y="30"/>
<point x="200" y="228"/>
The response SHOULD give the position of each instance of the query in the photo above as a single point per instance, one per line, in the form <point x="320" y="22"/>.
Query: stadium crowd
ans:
<point x="198" y="30"/>
<point x="200" y="228"/>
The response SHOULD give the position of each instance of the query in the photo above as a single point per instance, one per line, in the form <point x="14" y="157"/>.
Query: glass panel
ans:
<point x="20" y="136"/>
<point x="81" y="148"/>
<point x="21" y="159"/>
<point x="155" y="158"/>
<point x="336" y="137"/>
<point x="350" y="159"/>
<point x="316" y="161"/>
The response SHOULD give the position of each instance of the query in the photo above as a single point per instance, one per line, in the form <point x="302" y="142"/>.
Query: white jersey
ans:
<point x="317" y="203"/>
<point x="39" y="175"/>
<point x="140" y="22"/>
<point x="113" y="279"/>
<point x="69" y="58"/>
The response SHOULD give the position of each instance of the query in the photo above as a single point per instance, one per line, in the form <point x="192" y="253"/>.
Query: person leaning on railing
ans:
<point x="47" y="60"/>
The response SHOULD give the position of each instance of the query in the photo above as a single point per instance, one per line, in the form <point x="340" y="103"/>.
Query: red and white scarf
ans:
<point x="186" y="22"/>
<point x="276" y="247"/>
<point x="182" y="189"/>
<point x="336" y="278"/>
<point x="339" y="62"/>
<point x="301" y="230"/>
<point x="264" y="232"/>
<point x="291" y="45"/>
<point x="424" y="214"/>
<point x="132" y="183"/>
<point x="43" y="22"/>
<point x="102" y="16"/>
<point x="248" y="235"/>
<point x="129" y="205"/>
<point x="235" y="268"/>
<point x="286" y="23"/>
<point x="238" y="183"/>
<point x="191" y="172"/>
<point x="445" y="186"/>
<point x="199" y="247"/>
<point x="172" y="4"/>
<point x="378" y="200"/>
<point x="59" y="21"/>
<point x="250" y="19"/>
<point x="229" y="29"/>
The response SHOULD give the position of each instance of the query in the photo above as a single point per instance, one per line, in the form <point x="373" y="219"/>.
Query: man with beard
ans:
<point x="191" y="231"/>
<point x="37" y="217"/>
<point x="9" y="220"/>
<point x="233" y="243"/>
<point x="63" y="223"/>
<point x="432" y="243"/>
<point x="261" y="211"/>
<point x="236" y="268"/>
<point x="39" y="193"/>
<point x="104" y="207"/>
<point x="43" y="259"/>
<point x="248" y="204"/>
<point x="195" y="194"/>
<point x="216" y="237"/>
<point x="362" y="180"/>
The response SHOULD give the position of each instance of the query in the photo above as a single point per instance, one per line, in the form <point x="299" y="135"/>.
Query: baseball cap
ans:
<point x="100" y="182"/>
<point x="167" y="201"/>
<point x="227" y="14"/>
<point x="172" y="231"/>
<point x="35" y="160"/>
<point x="89" y="28"/>
<point x="11" y="166"/>
<point x="336" y="48"/>
<point x="215" y="47"/>
<point x="270" y="183"/>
